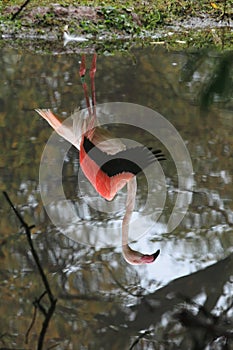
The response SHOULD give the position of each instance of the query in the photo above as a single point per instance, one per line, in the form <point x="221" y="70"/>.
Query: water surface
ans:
<point x="95" y="287"/>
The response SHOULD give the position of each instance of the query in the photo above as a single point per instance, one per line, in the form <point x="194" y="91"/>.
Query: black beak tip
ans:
<point x="156" y="254"/>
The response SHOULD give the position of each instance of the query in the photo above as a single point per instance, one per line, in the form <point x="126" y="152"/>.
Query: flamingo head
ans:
<point x="134" y="257"/>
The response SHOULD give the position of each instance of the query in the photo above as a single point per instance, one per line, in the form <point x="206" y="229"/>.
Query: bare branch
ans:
<point x="34" y="253"/>
<point x="19" y="10"/>
<point x="141" y="336"/>
<point x="37" y="303"/>
<point x="31" y="325"/>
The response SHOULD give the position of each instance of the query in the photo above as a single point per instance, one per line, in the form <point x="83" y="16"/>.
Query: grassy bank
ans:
<point x="183" y="22"/>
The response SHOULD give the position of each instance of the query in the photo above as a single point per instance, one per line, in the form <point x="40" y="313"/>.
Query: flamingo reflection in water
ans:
<point x="105" y="161"/>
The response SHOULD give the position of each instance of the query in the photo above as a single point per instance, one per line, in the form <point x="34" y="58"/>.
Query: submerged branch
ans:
<point x="31" y="325"/>
<point x="141" y="336"/>
<point x="46" y="312"/>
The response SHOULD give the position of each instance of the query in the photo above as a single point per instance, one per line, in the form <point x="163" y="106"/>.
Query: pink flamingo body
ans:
<point x="105" y="161"/>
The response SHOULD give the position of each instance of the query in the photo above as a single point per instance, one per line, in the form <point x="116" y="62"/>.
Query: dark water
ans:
<point x="104" y="303"/>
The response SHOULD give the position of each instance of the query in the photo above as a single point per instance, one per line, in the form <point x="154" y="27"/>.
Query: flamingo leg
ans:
<point x="92" y="76"/>
<point x="82" y="73"/>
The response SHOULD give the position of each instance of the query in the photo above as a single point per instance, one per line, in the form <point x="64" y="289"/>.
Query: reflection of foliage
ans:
<point x="206" y="328"/>
<point x="202" y="325"/>
<point x="220" y="85"/>
<point x="214" y="78"/>
<point x="99" y="308"/>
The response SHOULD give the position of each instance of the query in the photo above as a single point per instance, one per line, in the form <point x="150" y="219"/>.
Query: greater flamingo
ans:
<point x="105" y="161"/>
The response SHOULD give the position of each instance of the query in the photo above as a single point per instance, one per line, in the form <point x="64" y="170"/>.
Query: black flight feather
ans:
<point x="132" y="160"/>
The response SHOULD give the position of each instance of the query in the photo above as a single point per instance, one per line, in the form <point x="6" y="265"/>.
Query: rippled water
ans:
<point x="95" y="287"/>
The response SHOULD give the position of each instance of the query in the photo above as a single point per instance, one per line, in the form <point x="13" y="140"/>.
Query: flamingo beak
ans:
<point x="156" y="254"/>
<point x="147" y="259"/>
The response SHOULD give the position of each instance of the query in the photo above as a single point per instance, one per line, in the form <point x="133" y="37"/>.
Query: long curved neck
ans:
<point x="133" y="257"/>
<point x="130" y="203"/>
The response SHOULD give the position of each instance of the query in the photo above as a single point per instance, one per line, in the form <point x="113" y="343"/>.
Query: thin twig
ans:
<point x="47" y="313"/>
<point x="34" y="253"/>
<point x="31" y="325"/>
<point x="42" y="309"/>
<point x="37" y="303"/>
<point x="141" y="336"/>
<point x="19" y="10"/>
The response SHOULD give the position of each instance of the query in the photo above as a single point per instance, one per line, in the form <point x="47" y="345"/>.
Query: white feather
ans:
<point x="67" y="37"/>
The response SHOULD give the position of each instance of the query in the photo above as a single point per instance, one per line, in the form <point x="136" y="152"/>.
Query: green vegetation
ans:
<point x="134" y="19"/>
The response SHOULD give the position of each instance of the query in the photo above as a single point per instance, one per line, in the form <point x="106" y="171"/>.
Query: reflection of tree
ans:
<point x="95" y="294"/>
<point x="202" y="326"/>
<point x="213" y="76"/>
<point x="219" y="86"/>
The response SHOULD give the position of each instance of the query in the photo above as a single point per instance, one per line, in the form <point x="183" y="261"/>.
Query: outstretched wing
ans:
<point x="132" y="160"/>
